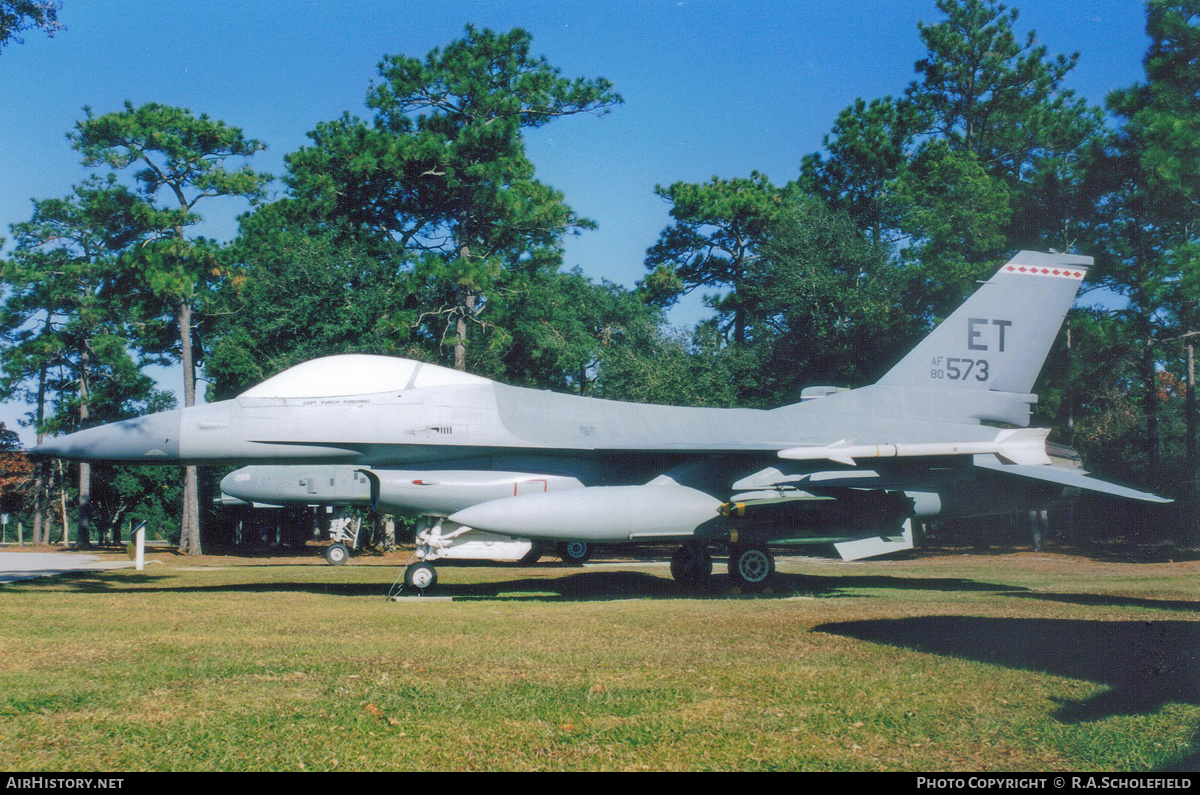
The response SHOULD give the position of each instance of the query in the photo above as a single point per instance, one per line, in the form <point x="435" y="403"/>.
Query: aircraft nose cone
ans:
<point x="154" y="437"/>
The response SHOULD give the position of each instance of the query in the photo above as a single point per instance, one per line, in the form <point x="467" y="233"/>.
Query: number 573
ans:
<point x="962" y="369"/>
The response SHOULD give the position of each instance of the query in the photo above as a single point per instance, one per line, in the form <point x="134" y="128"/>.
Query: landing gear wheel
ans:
<point x="421" y="576"/>
<point x="575" y="552"/>
<point x="336" y="554"/>
<point x="751" y="567"/>
<point x="691" y="566"/>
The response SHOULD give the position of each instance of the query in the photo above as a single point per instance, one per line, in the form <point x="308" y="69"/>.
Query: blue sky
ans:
<point x="710" y="88"/>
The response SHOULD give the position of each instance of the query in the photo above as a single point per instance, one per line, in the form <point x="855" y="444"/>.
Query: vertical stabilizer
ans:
<point x="999" y="338"/>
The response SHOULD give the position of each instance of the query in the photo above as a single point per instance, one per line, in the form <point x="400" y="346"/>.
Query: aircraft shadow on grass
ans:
<point x="588" y="585"/>
<point x="1144" y="664"/>
<point x="582" y="586"/>
<point x="1109" y="600"/>
<point x="593" y="585"/>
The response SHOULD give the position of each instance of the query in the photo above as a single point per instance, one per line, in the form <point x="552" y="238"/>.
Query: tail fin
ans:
<point x="998" y="340"/>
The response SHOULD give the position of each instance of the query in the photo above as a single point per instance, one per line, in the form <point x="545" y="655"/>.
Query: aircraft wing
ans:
<point x="1066" y="477"/>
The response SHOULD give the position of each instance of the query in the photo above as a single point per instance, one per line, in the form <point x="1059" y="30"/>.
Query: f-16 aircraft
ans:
<point x="922" y="441"/>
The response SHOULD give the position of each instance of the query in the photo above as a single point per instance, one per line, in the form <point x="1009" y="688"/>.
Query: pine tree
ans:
<point x="185" y="156"/>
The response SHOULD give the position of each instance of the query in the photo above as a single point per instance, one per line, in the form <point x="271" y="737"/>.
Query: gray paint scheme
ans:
<point x="421" y="492"/>
<point x="625" y="471"/>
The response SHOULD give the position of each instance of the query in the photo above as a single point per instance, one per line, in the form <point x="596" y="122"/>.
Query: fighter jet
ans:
<point x="943" y="433"/>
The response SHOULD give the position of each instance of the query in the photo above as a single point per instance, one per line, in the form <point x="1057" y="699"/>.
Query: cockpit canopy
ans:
<point x="357" y="374"/>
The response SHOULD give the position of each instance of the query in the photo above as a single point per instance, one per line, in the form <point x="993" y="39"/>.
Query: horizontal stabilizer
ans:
<point x="1070" y="477"/>
<point x="1018" y="445"/>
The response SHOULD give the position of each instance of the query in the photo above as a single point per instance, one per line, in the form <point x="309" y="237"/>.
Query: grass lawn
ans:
<point x="997" y="662"/>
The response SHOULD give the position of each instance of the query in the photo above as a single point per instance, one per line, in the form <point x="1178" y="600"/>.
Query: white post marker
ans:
<point x="139" y="544"/>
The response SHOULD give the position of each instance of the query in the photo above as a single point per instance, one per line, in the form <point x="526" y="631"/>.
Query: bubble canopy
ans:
<point x="357" y="374"/>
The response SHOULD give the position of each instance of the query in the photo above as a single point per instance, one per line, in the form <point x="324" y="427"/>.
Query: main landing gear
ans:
<point x="575" y="553"/>
<point x="751" y="566"/>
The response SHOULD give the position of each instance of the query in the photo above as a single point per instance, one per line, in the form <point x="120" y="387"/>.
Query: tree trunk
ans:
<point x="62" y="504"/>
<point x="1149" y="375"/>
<point x="1191" y="533"/>
<point x="83" y="532"/>
<point x="83" y="535"/>
<point x="41" y="494"/>
<point x="48" y="513"/>
<point x="389" y="533"/>
<point x="466" y="307"/>
<point x="189" y="525"/>
<point x="1069" y="395"/>
<point x="39" y="505"/>
<point x="464" y="297"/>
<point x="739" y="311"/>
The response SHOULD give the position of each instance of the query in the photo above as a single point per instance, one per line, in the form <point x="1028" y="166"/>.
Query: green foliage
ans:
<point x="561" y="326"/>
<point x="177" y="150"/>
<point x="981" y="156"/>
<point x="826" y="307"/>
<point x="128" y="495"/>
<point x="985" y="93"/>
<point x="66" y="310"/>
<point x="1166" y="110"/>
<point x="868" y="148"/>
<point x="423" y="231"/>
<point x="979" y="86"/>
<point x="17" y="16"/>
<point x="187" y="156"/>
<point x="67" y="319"/>
<point x="1144" y="222"/>
<point x="294" y="296"/>
<point x="297" y="294"/>
<point x="673" y="367"/>
<point x="360" y="179"/>
<point x="717" y="229"/>
<point x="812" y="299"/>
<point x="955" y="215"/>
<point x="442" y="174"/>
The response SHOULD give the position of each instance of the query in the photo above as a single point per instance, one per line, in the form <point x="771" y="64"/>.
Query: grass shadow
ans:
<point x="838" y="585"/>
<point x="1099" y="600"/>
<point x="1145" y="664"/>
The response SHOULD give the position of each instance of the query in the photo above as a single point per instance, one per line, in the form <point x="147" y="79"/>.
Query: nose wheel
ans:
<point x="336" y="554"/>
<point x="420" y="576"/>
<point x="347" y="535"/>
